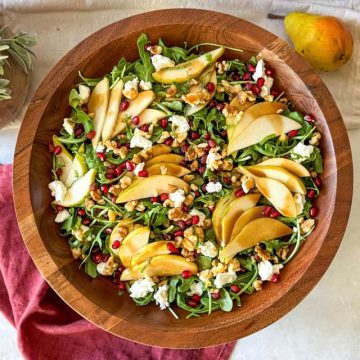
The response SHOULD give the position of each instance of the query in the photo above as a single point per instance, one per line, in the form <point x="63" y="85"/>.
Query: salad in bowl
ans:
<point x="185" y="178"/>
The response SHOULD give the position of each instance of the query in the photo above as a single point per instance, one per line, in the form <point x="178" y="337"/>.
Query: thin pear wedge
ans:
<point x="231" y="119"/>
<point x="165" y="158"/>
<point x="78" y="167"/>
<point x="258" y="230"/>
<point x="160" y="149"/>
<point x="152" y="186"/>
<point x="65" y="160"/>
<point x="187" y="70"/>
<point x="168" y="169"/>
<point x="98" y="105"/>
<point x="150" y="116"/>
<point x="289" y="165"/>
<point x="150" y="250"/>
<point x="112" y="110"/>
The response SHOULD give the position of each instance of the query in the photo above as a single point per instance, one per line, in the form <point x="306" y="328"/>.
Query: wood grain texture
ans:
<point x="96" y="300"/>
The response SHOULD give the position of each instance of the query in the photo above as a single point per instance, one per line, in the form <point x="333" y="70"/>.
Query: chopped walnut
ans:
<point x="122" y="152"/>
<point x="97" y="197"/>
<point x="171" y="91"/>
<point x="222" y="67"/>
<point x="130" y="205"/>
<point x="190" y="154"/>
<point x="115" y="189"/>
<point x="140" y="207"/>
<point x="179" y="136"/>
<point x="155" y="49"/>
<point x="89" y="204"/>
<point x="188" y="255"/>
<point x="207" y="223"/>
<point x="190" y="243"/>
<point x="231" y="89"/>
<point x="218" y="267"/>
<point x="199" y="232"/>
<point x="164" y="135"/>
<point x="137" y="159"/>
<point x="167" y="203"/>
<point x="76" y="252"/>
<point x="189" y="177"/>
<point x="315" y="139"/>
<point x="282" y="253"/>
<point x="314" y="174"/>
<point x="193" y="187"/>
<point x="188" y="199"/>
<point x="234" y="265"/>
<point x="109" y="267"/>
<point x="283" y="138"/>
<point x="177" y="214"/>
<point x="125" y="182"/>
<point x="257" y="285"/>
<point x="307" y="226"/>
<point x="227" y="165"/>
<point x="194" y="165"/>
<point x="205" y="276"/>
<point x="263" y="254"/>
<point x="121" y="232"/>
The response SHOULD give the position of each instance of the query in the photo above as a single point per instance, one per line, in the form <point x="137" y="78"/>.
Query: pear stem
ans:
<point x="275" y="16"/>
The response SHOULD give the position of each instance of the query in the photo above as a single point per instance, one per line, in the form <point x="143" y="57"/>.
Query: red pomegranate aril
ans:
<point x="59" y="172"/>
<point x="255" y="89"/>
<point x="309" y="118"/>
<point x="122" y="286"/>
<point x="129" y="166"/>
<point x="195" y="219"/>
<point x="216" y="295"/>
<point x="105" y="257"/>
<point x="110" y="171"/>
<point x="211" y="208"/>
<point x="123" y="166"/>
<point x="113" y="198"/>
<point x="207" y="149"/>
<point x="186" y="274"/>
<point x="311" y="194"/>
<point x="275" y="278"/>
<point x="144" y="128"/>
<point x="155" y="199"/>
<point x="313" y="212"/>
<point x="194" y="135"/>
<point x="274" y="213"/>
<point x="203" y="160"/>
<point x="78" y="132"/>
<point x="179" y="233"/>
<point x="101" y="156"/>
<point x="147" y="47"/>
<point x="235" y="76"/>
<point x="136" y="120"/>
<point x="96" y="258"/>
<point x="196" y="194"/>
<point x="185" y="148"/>
<point x="207" y="136"/>
<point x="188" y="222"/>
<point x="59" y="208"/>
<point x="104" y="188"/>
<point x="163" y="123"/>
<point x="267" y="210"/>
<point x="191" y="303"/>
<point x="86" y="221"/>
<point x="210" y="86"/>
<point x="93" y="187"/>
<point x="292" y="133"/>
<point x="248" y="86"/>
<point x="317" y="181"/>
<point x="118" y="170"/>
<point x="185" y="208"/>
<point x="212" y="104"/>
<point x="260" y="81"/>
<point x="223" y="133"/>
<point x="110" y="176"/>
<point x="212" y="143"/>
<point x="124" y="105"/>
<point x="202" y="169"/>
<point x="239" y="192"/>
<point x="168" y="141"/>
<point x="196" y="298"/>
<point x="203" y="188"/>
<point x="274" y="92"/>
<point x="246" y="76"/>
<point x="121" y="268"/>
<point x="108" y="231"/>
<point x="91" y="134"/>
<point x="95" y="249"/>
<point x="172" y="248"/>
<point x="51" y="148"/>
<point x="251" y="68"/>
<point x="143" y="173"/>
<point x="81" y="212"/>
<point x="164" y="197"/>
<point x="116" y="244"/>
<point x="57" y="150"/>
<point x="234" y="288"/>
<point x="220" y="107"/>
<point x="268" y="72"/>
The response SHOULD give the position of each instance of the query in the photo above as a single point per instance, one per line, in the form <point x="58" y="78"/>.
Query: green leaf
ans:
<point x="172" y="289"/>
<point x="74" y="98"/>
<point x="203" y="262"/>
<point x="175" y="53"/>
<point x="91" y="82"/>
<point x="226" y="303"/>
<point x="143" y="69"/>
<point x="173" y="105"/>
<point x="90" y="268"/>
<point x="118" y="70"/>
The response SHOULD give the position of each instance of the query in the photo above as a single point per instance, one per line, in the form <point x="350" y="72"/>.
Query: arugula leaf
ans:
<point x="225" y="302"/>
<point x="74" y="98"/>
<point x="203" y="262"/>
<point x="175" y="53"/>
<point x="91" y="82"/>
<point x="173" y="105"/>
<point x="318" y="162"/>
<point x="90" y="268"/>
<point x="144" y="69"/>
<point x="118" y="70"/>
<point x="172" y="289"/>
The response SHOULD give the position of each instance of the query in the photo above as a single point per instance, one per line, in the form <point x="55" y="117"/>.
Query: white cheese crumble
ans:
<point x="177" y="197"/>
<point x="179" y="123"/>
<point x="300" y="201"/>
<point x="139" y="141"/>
<point x="161" y="297"/>
<point x="267" y="270"/>
<point x="145" y="85"/>
<point x="131" y="88"/>
<point x="201" y="216"/>
<point x="79" y="233"/>
<point x="208" y="249"/>
<point x="212" y="159"/>
<point x="212" y="187"/>
<point x="58" y="190"/>
<point x="195" y="288"/>
<point x="100" y="147"/>
<point x="84" y="94"/>
<point x="265" y="90"/>
<point x="301" y="152"/>
<point x="160" y="62"/>
<point x="140" y="288"/>
<point x="68" y="125"/>
<point x="138" y="168"/>
<point x="61" y="216"/>
<point x="224" y="278"/>
<point x="260" y="70"/>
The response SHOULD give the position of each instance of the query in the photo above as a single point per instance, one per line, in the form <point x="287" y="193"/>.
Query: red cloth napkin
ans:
<point x="47" y="328"/>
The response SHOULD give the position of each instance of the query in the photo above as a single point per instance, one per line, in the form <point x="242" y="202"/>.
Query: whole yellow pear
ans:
<point x="324" y="41"/>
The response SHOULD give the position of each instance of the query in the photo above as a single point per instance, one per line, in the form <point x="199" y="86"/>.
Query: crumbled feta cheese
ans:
<point x="224" y="278"/>
<point x="212" y="187"/>
<point x="100" y="147"/>
<point x="177" y="197"/>
<point x="139" y="141"/>
<point x="61" y="216"/>
<point x="161" y="297"/>
<point x="138" y="168"/>
<point x="80" y="232"/>
<point x="145" y="85"/>
<point x="58" y="190"/>
<point x="267" y="270"/>
<point x="299" y="200"/>
<point x="179" y="123"/>
<point x="131" y="88"/>
<point x="68" y="125"/>
<point x="208" y="249"/>
<point x="161" y="62"/>
<point x="301" y="152"/>
<point x="84" y="94"/>
<point x="212" y="159"/>
<point x="260" y="70"/>
<point x="201" y="216"/>
<point x="107" y="268"/>
<point x="140" y="288"/>
<point x="195" y="288"/>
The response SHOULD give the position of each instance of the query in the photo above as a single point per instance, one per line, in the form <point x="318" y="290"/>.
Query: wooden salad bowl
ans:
<point x="96" y="299"/>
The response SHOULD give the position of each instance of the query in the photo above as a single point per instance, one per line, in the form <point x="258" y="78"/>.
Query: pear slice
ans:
<point x="168" y="169"/>
<point x="234" y="103"/>
<point x="165" y="158"/>
<point x="65" y="159"/>
<point x="241" y="106"/>
<point x="112" y="110"/>
<point x="245" y="218"/>
<point x="151" y="186"/>
<point x="98" y="105"/>
<point x="292" y="181"/>
<point x="263" y="229"/>
<point x="160" y="149"/>
<point x="150" y="116"/>
<point x="252" y="113"/>
<point x="78" y="191"/>
<point x="260" y="128"/>
<point x="289" y="165"/>
<point x="149" y="251"/>
<point x="233" y="210"/>
<point x="187" y="70"/>
<point x="136" y="107"/>
<point x="78" y="167"/>
<point x="133" y="242"/>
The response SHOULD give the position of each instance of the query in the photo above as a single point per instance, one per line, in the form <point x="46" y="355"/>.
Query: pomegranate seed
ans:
<point x="202" y="169"/>
<point x="194" y="135"/>
<point x="260" y="81"/>
<point x="207" y="136"/>
<point x="309" y="118"/>
<point x="121" y="268"/>
<point x="164" y="197"/>
<point x="123" y="166"/>
<point x="313" y="212"/>
<point x="203" y="188"/>
<point x="207" y="149"/>
<point x="115" y="244"/>
<point x="211" y="208"/>
<point x="108" y="231"/>
<point x="122" y="286"/>
<point x="163" y="123"/>
<point x="95" y="249"/>
<point x="110" y="171"/>
<point x="179" y="233"/>
<point x="185" y="208"/>
<point x="246" y="76"/>
<point x="118" y="170"/>
<point x="292" y="133"/>
<point x="181" y="224"/>
<point x="104" y="188"/>
<point x="81" y="212"/>
<point x="186" y="274"/>
<point x="227" y="180"/>
<point x="267" y="210"/>
<point x="311" y="194"/>
<point x="192" y="303"/>
<point x="86" y="221"/>
<point x="268" y="72"/>
<point x="212" y="143"/>
<point x="78" y="132"/>
<point x="113" y="198"/>
<point x="220" y="106"/>
<point x="196" y="194"/>
<point x="93" y="187"/>
<point x="124" y="105"/>
<point x="188" y="222"/>
<point x="212" y="104"/>
<point x="59" y="172"/>
<point x="203" y="160"/>
<point x="91" y="134"/>
<point x="147" y="47"/>
<point x="168" y="141"/>
<point x="185" y="148"/>
<point x="248" y="86"/>
<point x="59" y="208"/>
<point x="250" y="67"/>
<point x="317" y="181"/>
<point x="110" y="176"/>
<point x="144" y="128"/>
<point x="101" y="156"/>
<point x="239" y="192"/>
<point x="57" y="150"/>
<point x="210" y="86"/>
<point x="168" y="237"/>
<point x="136" y="120"/>
<point x="129" y="166"/>
<point x="105" y="257"/>
<point x="274" y="214"/>
<point x="275" y="278"/>
<point x="223" y="133"/>
<point x="196" y="298"/>
<point x="257" y="258"/>
<point x="171" y="247"/>
<point x="216" y="295"/>
<point x="255" y="89"/>
<point x="235" y="76"/>
<point x="143" y="173"/>
<point x="154" y="199"/>
<point x="274" y="92"/>
<point x="51" y="148"/>
<point x="234" y="288"/>
<point x="96" y="258"/>
<point x="195" y="219"/>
